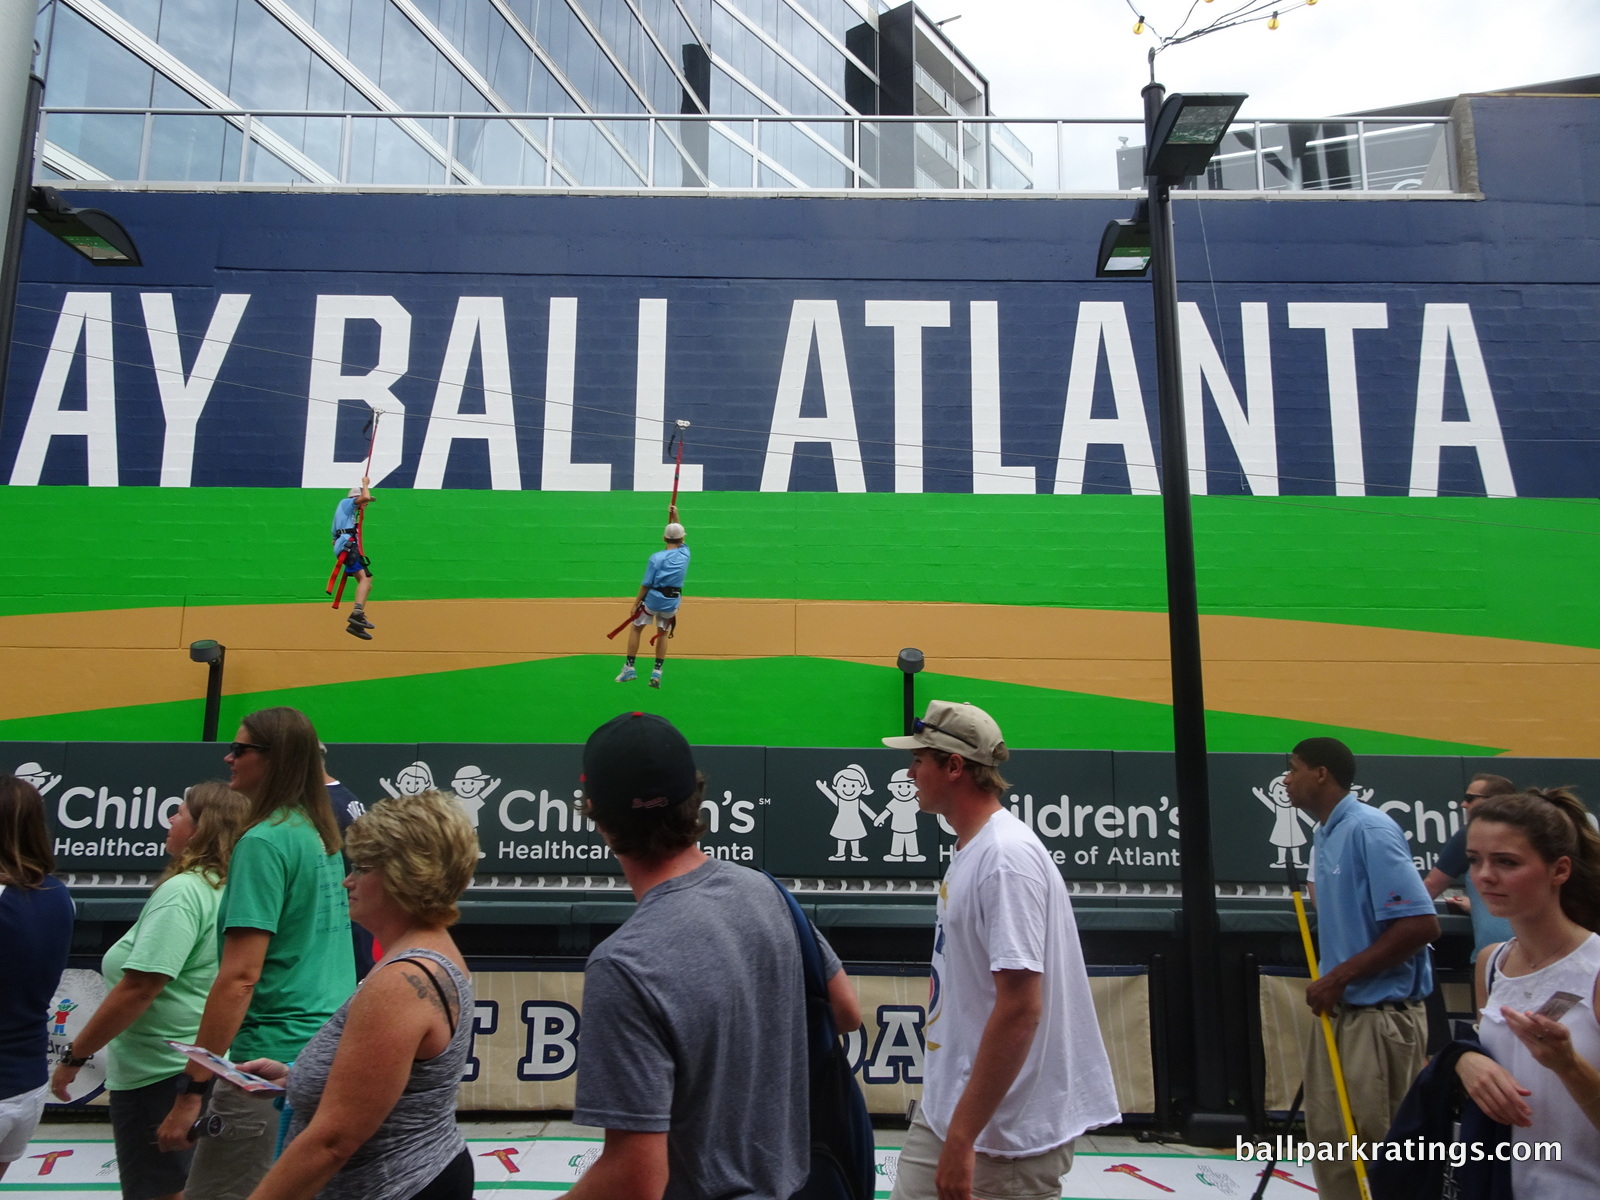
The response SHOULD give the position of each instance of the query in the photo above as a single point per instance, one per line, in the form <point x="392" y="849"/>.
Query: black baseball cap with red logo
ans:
<point x="637" y="763"/>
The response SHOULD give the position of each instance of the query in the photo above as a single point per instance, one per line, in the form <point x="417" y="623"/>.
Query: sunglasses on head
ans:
<point x="235" y="749"/>
<point x="918" y="725"/>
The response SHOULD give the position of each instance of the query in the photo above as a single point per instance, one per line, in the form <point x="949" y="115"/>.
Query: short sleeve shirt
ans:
<point x="1366" y="877"/>
<point x="666" y="568"/>
<point x="281" y="880"/>
<point x="1003" y="907"/>
<point x="175" y="936"/>
<point x="694" y="1022"/>
<point x="35" y="933"/>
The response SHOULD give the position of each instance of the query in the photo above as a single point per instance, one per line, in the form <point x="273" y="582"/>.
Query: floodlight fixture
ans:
<point x="1188" y="131"/>
<point x="96" y="235"/>
<point x="1125" y="247"/>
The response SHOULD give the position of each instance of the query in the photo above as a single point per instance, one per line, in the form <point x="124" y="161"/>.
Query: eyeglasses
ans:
<point x="1474" y="796"/>
<point x="235" y="749"/>
<point x="918" y="725"/>
<point x="362" y="868"/>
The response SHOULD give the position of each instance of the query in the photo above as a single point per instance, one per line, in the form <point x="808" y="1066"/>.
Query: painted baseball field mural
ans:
<point x="908" y="423"/>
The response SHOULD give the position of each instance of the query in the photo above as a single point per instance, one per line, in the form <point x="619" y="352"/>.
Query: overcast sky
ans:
<point x="1080" y="58"/>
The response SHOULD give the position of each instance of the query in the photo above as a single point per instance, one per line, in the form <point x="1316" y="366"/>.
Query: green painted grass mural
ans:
<point x="758" y="701"/>
<point x="1448" y="565"/>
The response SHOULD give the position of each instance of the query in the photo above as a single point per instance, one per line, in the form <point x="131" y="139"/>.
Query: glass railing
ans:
<point x="634" y="153"/>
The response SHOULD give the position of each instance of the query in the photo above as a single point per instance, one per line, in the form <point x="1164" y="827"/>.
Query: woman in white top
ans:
<point x="1535" y="860"/>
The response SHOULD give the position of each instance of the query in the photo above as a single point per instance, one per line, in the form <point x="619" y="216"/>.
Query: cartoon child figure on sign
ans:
<point x="472" y="788"/>
<point x="901" y="813"/>
<point x="63" y="1010"/>
<point x="849" y="785"/>
<point x="413" y="781"/>
<point x="1288" y="835"/>
<point x="35" y="774"/>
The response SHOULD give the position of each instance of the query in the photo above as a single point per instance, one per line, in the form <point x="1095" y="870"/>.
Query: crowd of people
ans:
<point x="695" y="1058"/>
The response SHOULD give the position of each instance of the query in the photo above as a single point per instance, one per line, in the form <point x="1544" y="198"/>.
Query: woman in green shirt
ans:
<point x="285" y="964"/>
<point x="160" y="973"/>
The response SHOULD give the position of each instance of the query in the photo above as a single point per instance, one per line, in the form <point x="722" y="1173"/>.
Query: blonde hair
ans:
<point x="220" y="815"/>
<point x="423" y="848"/>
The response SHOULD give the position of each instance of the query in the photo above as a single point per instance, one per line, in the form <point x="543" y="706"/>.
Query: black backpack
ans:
<point x="842" y="1166"/>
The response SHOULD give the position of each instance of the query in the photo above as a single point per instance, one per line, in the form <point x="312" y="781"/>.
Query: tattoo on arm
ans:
<point x="425" y="991"/>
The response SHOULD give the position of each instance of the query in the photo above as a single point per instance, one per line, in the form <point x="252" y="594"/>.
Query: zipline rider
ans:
<point x="660" y="593"/>
<point x="350" y="556"/>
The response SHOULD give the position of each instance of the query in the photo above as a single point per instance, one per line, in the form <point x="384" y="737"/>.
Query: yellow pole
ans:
<point x="1332" y="1042"/>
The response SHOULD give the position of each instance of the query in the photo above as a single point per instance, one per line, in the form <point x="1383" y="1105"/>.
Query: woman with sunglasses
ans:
<point x="1535" y="861"/>
<point x="160" y="972"/>
<point x="286" y="962"/>
<point x="373" y="1095"/>
<point x="35" y="933"/>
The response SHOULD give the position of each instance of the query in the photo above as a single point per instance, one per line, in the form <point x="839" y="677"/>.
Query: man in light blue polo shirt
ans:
<point x="1374" y="923"/>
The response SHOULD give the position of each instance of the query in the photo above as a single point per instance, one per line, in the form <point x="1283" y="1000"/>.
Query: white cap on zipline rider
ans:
<point x="673" y="532"/>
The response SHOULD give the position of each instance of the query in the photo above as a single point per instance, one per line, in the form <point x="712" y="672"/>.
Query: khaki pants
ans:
<point x="239" y="1132"/>
<point x="1382" y="1052"/>
<point x="993" y="1178"/>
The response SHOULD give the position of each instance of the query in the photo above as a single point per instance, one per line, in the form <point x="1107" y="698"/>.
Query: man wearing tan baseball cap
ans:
<point x="1015" y="1068"/>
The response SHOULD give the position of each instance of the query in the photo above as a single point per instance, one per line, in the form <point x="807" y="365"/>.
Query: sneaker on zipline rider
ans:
<point x="361" y="620"/>
<point x="355" y="630"/>
<point x="655" y="678"/>
<point x="627" y="675"/>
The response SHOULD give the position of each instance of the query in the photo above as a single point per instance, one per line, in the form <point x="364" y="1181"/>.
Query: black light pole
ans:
<point x="212" y="654"/>
<point x="1181" y="134"/>
<point x="909" y="662"/>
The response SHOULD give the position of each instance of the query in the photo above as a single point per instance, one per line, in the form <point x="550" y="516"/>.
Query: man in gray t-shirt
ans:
<point x="692" y="1051"/>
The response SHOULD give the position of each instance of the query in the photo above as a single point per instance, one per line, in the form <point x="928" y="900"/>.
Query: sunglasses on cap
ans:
<point x="918" y="725"/>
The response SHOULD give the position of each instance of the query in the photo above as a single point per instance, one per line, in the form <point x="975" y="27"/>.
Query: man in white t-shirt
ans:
<point x="1015" y="1068"/>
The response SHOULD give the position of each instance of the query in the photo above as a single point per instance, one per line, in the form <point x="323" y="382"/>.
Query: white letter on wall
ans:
<point x="1105" y="320"/>
<point x="1339" y="323"/>
<point x="650" y="474"/>
<point x="558" y="472"/>
<point x="1446" y="327"/>
<point x="480" y="320"/>
<point x="814" y="320"/>
<point x="85" y="314"/>
<point x="908" y="318"/>
<point x="988" y="474"/>
<point x="183" y="400"/>
<point x="330" y="387"/>
<point x="1252" y="426"/>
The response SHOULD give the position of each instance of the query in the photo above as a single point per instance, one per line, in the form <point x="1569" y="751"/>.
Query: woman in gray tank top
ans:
<point x="373" y="1093"/>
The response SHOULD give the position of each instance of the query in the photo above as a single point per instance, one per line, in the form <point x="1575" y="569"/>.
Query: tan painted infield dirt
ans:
<point x="1531" y="698"/>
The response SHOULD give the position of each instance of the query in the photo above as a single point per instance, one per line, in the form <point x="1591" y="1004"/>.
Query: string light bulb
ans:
<point x="1138" y="26"/>
<point x="1272" y="22"/>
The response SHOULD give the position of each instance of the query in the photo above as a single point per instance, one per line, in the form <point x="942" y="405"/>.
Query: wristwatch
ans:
<point x="187" y="1083"/>
<point x="67" y="1059"/>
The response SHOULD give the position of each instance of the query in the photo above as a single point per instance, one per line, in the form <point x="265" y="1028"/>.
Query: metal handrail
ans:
<point x="744" y="135"/>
